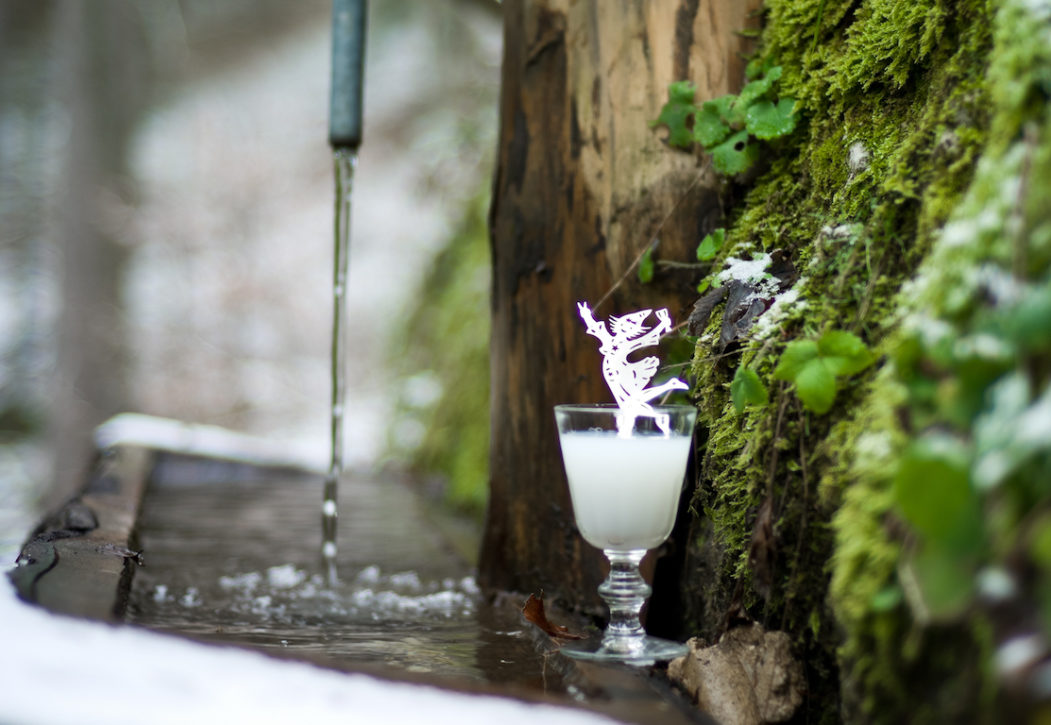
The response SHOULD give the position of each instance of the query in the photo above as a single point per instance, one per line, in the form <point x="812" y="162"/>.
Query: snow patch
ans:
<point x="783" y="303"/>
<point x="857" y="158"/>
<point x="752" y="270"/>
<point x="175" y="681"/>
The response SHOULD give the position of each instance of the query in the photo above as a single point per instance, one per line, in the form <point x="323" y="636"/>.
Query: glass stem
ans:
<point x="624" y="591"/>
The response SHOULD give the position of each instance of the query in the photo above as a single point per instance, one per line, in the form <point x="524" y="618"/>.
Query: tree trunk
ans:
<point x="583" y="186"/>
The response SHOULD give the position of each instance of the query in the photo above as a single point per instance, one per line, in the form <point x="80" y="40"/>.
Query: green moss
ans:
<point x="865" y="559"/>
<point x="896" y="113"/>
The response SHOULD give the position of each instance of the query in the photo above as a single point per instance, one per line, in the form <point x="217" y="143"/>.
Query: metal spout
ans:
<point x="348" y="66"/>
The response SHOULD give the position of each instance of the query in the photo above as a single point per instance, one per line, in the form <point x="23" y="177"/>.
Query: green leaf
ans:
<point x="681" y="92"/>
<point x="704" y="284"/>
<point x="1040" y="542"/>
<point x="1000" y="443"/>
<point x="844" y="352"/>
<point x="886" y="599"/>
<point x="709" y="127"/>
<point x="754" y="69"/>
<point x="945" y="581"/>
<point x="735" y="154"/>
<point x="723" y="105"/>
<point x="932" y="489"/>
<point x="764" y="120"/>
<point x="712" y="124"/>
<point x="754" y="90"/>
<point x="1028" y="322"/>
<point x="813" y="366"/>
<point x="646" y="266"/>
<point x="816" y="386"/>
<point x="747" y="389"/>
<point x="676" y="113"/>
<point x="797" y="354"/>
<point x="711" y="244"/>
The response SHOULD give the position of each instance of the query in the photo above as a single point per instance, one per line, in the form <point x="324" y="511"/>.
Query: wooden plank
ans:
<point x="88" y="574"/>
<point x="80" y="561"/>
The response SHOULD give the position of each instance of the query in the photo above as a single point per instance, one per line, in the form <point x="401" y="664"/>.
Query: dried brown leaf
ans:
<point x="702" y="310"/>
<point x="533" y="611"/>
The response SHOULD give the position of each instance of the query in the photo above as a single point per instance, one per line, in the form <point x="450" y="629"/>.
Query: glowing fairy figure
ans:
<point x="627" y="380"/>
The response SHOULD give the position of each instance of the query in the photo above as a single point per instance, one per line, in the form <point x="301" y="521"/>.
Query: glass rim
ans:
<point x="613" y="407"/>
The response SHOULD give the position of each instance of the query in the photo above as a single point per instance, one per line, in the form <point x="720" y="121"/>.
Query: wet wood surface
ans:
<point x="81" y="560"/>
<point x="231" y="513"/>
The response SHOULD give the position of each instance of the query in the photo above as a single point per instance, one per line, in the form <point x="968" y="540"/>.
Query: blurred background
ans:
<point x="166" y="203"/>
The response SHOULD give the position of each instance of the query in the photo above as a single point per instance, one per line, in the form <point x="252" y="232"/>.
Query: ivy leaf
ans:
<point x="933" y="490"/>
<point x="844" y="352"/>
<point x="754" y="90"/>
<point x="758" y="68"/>
<point x="1040" y="542"/>
<point x="886" y="599"/>
<point x="764" y="120"/>
<point x="816" y="386"/>
<point x="796" y="355"/>
<point x="945" y="582"/>
<point x="802" y="364"/>
<point x="747" y="389"/>
<point x="646" y="265"/>
<point x="681" y="92"/>
<point x="676" y="113"/>
<point x="1028" y="322"/>
<point x="709" y="127"/>
<point x="711" y="244"/>
<point x="723" y="105"/>
<point x="754" y="69"/>
<point x="814" y="365"/>
<point x="735" y="154"/>
<point x="710" y="124"/>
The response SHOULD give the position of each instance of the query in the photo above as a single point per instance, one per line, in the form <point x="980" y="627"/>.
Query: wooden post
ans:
<point x="583" y="185"/>
<point x="101" y="62"/>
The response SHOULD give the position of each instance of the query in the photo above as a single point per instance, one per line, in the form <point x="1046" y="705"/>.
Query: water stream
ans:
<point x="346" y="161"/>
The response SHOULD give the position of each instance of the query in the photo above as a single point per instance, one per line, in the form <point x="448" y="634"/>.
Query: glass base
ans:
<point x="640" y="651"/>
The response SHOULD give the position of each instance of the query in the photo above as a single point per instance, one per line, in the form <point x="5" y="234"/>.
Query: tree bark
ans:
<point x="583" y="186"/>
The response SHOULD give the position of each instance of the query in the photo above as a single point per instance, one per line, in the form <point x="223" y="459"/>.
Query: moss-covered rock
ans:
<point x="913" y="202"/>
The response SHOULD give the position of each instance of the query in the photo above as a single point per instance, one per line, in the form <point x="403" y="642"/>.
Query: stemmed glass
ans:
<point x="625" y="476"/>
